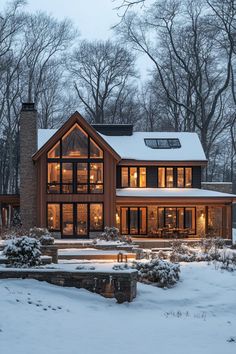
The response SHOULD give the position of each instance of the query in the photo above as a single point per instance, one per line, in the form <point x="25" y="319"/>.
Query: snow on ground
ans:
<point x="198" y="316"/>
<point x="234" y="236"/>
<point x="88" y="251"/>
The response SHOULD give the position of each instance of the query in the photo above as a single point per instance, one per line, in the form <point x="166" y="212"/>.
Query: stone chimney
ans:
<point x="28" y="177"/>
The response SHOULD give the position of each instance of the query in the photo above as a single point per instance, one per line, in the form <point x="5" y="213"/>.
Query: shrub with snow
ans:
<point x="23" y="252"/>
<point x="38" y="232"/>
<point x="183" y="253"/>
<point x="41" y="234"/>
<point x="110" y="234"/>
<point x="162" y="273"/>
<point x="46" y="240"/>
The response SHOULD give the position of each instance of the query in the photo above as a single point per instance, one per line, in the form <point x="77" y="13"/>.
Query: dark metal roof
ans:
<point x="114" y="129"/>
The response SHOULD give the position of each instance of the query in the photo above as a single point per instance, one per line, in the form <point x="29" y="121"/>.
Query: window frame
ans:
<point x="175" y="176"/>
<point x="75" y="218"/>
<point x="138" y="176"/>
<point x="74" y="161"/>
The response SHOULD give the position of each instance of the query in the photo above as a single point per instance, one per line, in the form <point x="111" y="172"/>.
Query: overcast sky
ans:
<point x="93" y="18"/>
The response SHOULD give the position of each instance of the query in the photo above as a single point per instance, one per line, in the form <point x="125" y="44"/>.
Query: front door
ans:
<point x="74" y="220"/>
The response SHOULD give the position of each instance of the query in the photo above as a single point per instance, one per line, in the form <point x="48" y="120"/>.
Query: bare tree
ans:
<point x="191" y="62"/>
<point x="100" y="72"/>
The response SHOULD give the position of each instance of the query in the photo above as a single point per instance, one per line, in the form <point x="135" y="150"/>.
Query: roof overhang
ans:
<point x="75" y="118"/>
<point x="128" y="162"/>
<point x="173" y="195"/>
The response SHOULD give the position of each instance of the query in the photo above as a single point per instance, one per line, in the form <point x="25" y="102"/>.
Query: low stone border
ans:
<point x="120" y="285"/>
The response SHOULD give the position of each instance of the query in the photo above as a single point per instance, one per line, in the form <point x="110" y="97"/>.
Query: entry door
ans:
<point x="74" y="220"/>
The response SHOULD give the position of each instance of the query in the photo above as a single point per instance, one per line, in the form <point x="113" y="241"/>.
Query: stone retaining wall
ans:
<point x="120" y="285"/>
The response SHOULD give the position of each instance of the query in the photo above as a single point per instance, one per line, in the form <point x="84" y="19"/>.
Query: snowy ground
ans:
<point x="198" y="316"/>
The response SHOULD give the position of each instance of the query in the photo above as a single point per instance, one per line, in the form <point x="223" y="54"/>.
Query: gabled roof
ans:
<point x="134" y="148"/>
<point x="47" y="138"/>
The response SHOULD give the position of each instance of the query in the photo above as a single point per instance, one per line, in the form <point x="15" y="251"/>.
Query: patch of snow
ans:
<point x="133" y="146"/>
<point x="234" y="236"/>
<point x="171" y="192"/>
<point x="197" y="316"/>
<point x="87" y="251"/>
<point x="44" y="135"/>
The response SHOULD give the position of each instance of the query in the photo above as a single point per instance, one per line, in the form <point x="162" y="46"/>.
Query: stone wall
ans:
<point x="28" y="177"/>
<point x="120" y="285"/>
<point x="224" y="187"/>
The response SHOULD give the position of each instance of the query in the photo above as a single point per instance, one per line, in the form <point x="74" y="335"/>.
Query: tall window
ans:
<point x="169" y="177"/>
<point x="142" y="177"/>
<point x="96" y="217"/>
<point x="180" y="177"/>
<point x="133" y="177"/>
<point x="75" y="164"/>
<point x="54" y="221"/>
<point x="96" y="177"/>
<point x="188" y="177"/>
<point x="125" y="177"/>
<point x="54" y="169"/>
<point x="161" y="177"/>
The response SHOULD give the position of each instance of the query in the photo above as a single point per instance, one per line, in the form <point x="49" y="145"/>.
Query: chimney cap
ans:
<point x="29" y="106"/>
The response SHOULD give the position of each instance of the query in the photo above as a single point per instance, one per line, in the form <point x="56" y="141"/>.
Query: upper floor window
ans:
<point x="76" y="144"/>
<point x="169" y="177"/>
<point x="133" y="177"/>
<point x="75" y="164"/>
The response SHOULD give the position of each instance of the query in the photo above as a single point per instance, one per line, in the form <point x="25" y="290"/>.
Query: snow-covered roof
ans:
<point x="44" y="135"/>
<point x="171" y="193"/>
<point x="133" y="147"/>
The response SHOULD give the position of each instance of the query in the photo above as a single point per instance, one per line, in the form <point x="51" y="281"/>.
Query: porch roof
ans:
<point x="173" y="193"/>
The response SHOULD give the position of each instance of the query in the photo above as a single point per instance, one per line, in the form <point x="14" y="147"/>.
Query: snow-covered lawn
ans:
<point x="198" y="316"/>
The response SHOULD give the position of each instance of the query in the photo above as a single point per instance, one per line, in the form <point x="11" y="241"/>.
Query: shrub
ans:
<point x="110" y="234"/>
<point x="38" y="232"/>
<point x="182" y="253"/>
<point x="23" y="252"/>
<point x="162" y="273"/>
<point x="46" y="240"/>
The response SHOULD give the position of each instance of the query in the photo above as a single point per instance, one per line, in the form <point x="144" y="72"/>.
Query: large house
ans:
<point x="82" y="177"/>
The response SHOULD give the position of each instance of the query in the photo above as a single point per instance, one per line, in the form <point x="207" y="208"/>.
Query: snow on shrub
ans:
<point x="110" y="234"/>
<point x="182" y="253"/>
<point x="37" y="232"/>
<point x="41" y="234"/>
<point x="162" y="273"/>
<point x="46" y="240"/>
<point x="23" y="252"/>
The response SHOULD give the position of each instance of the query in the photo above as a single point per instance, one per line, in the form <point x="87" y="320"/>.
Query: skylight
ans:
<point x="154" y="143"/>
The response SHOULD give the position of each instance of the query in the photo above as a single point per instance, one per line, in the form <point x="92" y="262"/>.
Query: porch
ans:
<point x="173" y="213"/>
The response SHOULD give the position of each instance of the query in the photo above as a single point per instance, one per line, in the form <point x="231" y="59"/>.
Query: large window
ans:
<point x="75" y="219"/>
<point x="133" y="220"/>
<point x="169" y="177"/>
<point x="133" y="177"/>
<point x="75" y="164"/>
<point x="154" y="220"/>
